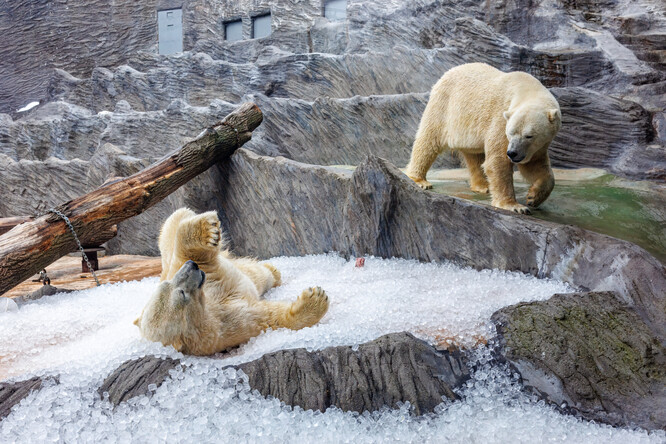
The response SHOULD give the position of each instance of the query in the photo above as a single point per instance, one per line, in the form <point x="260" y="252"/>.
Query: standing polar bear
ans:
<point x="495" y="120"/>
<point x="208" y="301"/>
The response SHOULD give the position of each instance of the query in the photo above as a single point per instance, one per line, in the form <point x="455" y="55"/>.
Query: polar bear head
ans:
<point x="172" y="308"/>
<point x="530" y="128"/>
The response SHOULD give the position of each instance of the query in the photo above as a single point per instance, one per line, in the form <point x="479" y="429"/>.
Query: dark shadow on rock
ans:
<point x="591" y="353"/>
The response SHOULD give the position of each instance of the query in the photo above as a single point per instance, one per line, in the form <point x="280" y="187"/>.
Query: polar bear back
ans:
<point x="469" y="98"/>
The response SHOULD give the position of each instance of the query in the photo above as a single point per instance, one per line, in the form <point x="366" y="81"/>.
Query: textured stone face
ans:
<point x="334" y="93"/>
<point x="394" y="368"/>
<point x="11" y="393"/>
<point x="133" y="378"/>
<point x="391" y="369"/>
<point x="590" y="353"/>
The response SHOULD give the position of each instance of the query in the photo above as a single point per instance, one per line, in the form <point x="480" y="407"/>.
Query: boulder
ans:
<point x="135" y="378"/>
<point x="589" y="354"/>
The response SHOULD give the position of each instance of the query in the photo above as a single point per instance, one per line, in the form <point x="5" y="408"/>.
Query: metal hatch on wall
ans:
<point x="233" y="30"/>
<point x="261" y="26"/>
<point x="170" y="29"/>
<point x="335" y="10"/>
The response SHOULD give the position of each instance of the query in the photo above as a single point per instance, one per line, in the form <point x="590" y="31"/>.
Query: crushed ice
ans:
<point x="85" y="335"/>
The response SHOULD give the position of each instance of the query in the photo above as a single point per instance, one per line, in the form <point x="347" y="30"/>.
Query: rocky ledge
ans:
<point x="392" y="369"/>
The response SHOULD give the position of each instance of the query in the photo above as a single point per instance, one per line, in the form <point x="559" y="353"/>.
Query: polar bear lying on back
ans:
<point x="495" y="120"/>
<point x="208" y="301"/>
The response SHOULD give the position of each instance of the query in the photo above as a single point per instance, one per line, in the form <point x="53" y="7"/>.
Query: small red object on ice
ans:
<point x="360" y="261"/>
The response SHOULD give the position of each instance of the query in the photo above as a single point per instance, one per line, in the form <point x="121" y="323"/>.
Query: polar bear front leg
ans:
<point x="539" y="174"/>
<point x="166" y="241"/>
<point x="198" y="238"/>
<point x="499" y="170"/>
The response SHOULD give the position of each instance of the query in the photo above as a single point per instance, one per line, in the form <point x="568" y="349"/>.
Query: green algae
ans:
<point x="591" y="335"/>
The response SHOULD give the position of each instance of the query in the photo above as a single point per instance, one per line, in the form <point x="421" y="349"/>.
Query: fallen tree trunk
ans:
<point x="31" y="246"/>
<point x="7" y="223"/>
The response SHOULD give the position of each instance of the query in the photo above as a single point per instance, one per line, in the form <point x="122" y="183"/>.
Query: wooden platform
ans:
<point x="66" y="273"/>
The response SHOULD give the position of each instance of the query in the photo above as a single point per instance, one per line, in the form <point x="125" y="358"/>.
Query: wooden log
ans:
<point x="31" y="246"/>
<point x="7" y="223"/>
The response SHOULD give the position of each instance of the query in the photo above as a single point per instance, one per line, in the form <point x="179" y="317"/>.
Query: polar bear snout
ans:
<point x="517" y="150"/>
<point x="515" y="156"/>
<point x="189" y="276"/>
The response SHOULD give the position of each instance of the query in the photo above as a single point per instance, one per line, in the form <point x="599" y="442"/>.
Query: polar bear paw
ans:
<point x="536" y="196"/>
<point x="311" y="305"/>
<point x="424" y="184"/>
<point x="480" y="188"/>
<point x="516" y="208"/>
<point x="208" y="229"/>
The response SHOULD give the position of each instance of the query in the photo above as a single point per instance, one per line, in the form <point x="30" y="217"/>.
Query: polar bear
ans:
<point x="207" y="300"/>
<point x="495" y="120"/>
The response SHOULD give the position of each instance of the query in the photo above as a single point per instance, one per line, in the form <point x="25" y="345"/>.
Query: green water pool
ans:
<point x="597" y="201"/>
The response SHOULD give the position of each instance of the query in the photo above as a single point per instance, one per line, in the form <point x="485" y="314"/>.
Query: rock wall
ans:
<point x="332" y="92"/>
<point x="79" y="36"/>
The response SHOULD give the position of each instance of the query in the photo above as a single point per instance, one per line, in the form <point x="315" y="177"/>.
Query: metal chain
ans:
<point x="76" y="238"/>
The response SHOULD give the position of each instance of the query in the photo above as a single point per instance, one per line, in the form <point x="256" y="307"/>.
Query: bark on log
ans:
<point x="7" y="223"/>
<point x="31" y="246"/>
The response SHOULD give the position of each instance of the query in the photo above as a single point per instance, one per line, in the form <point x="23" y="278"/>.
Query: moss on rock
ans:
<point x="607" y="363"/>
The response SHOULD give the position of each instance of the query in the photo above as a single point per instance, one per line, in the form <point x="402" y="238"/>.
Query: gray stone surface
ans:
<point x="132" y="378"/>
<point x="11" y="393"/>
<point x="392" y="369"/>
<point x="333" y="93"/>
<point x="289" y="208"/>
<point x="78" y="36"/>
<point x="33" y="187"/>
<point x="591" y="355"/>
<point x="605" y="132"/>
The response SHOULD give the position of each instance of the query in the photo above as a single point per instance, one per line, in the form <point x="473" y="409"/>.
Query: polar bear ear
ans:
<point x="554" y="114"/>
<point x="137" y="322"/>
<point x="507" y="115"/>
